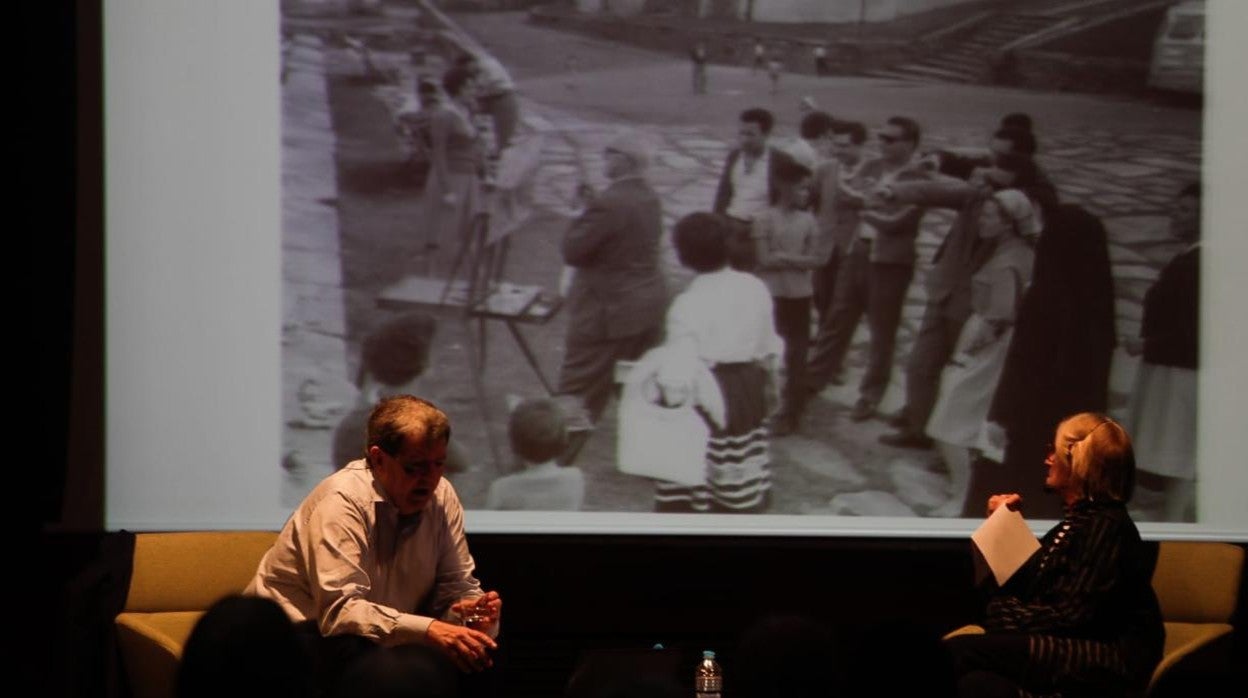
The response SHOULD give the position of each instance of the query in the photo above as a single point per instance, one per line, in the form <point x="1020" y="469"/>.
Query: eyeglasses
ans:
<point x="421" y="467"/>
<point x="1050" y="450"/>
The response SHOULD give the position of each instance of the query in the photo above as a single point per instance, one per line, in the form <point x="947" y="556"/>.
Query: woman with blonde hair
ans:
<point x="1080" y="617"/>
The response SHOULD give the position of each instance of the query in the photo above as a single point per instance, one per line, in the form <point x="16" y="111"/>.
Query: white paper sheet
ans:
<point x="1006" y="542"/>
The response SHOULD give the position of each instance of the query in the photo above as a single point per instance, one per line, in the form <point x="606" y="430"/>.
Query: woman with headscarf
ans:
<point x="1007" y="223"/>
<point x="1080" y="617"/>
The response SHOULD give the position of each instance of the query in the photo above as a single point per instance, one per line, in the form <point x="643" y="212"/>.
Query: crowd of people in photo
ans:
<point x="1017" y="330"/>
<point x="1018" y="327"/>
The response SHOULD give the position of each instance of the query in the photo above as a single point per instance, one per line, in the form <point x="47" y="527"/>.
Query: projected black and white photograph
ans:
<point x="798" y="257"/>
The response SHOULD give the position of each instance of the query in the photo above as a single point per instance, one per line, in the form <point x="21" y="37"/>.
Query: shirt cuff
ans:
<point x="409" y="629"/>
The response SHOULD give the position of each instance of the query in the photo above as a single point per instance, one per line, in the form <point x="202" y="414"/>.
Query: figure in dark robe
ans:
<point x="1059" y="358"/>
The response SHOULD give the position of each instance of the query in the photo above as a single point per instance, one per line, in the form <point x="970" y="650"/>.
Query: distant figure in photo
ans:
<point x="820" y="53"/>
<point x="760" y="56"/>
<point x="539" y="435"/>
<point x="244" y="645"/>
<point x="1080" y="617"/>
<point x="392" y="359"/>
<point x="774" y="67"/>
<point x="698" y="56"/>
<point x="1164" y="402"/>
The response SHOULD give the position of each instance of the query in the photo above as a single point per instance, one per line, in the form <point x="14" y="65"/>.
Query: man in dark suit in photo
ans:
<point x="616" y="298"/>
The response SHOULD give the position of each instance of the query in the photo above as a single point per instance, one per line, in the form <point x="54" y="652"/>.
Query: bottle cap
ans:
<point x="708" y="654"/>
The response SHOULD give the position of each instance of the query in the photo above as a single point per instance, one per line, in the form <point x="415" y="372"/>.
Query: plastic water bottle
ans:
<point x="708" y="678"/>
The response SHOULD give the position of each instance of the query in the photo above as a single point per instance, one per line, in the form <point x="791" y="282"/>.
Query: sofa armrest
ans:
<point x="151" y="647"/>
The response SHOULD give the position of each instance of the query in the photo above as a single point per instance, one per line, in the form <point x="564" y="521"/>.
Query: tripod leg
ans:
<point x="469" y="248"/>
<point x="530" y="356"/>
<point x="482" y="342"/>
<point x="476" y="366"/>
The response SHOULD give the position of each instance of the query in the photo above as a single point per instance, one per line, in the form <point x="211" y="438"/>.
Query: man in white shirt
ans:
<point x="375" y="558"/>
<point x="745" y="184"/>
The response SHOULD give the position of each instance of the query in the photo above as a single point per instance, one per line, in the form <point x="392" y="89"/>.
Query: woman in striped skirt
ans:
<point x="1080" y="617"/>
<point x="722" y="321"/>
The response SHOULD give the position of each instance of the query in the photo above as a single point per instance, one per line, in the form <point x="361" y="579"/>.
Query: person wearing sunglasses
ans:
<point x="878" y="267"/>
<point x="1080" y="617"/>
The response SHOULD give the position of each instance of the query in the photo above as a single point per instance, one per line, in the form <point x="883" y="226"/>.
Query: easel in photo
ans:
<point x="474" y="287"/>
<point x="476" y="291"/>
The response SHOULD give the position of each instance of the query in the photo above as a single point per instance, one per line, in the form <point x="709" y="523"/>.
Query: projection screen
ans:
<point x="262" y="216"/>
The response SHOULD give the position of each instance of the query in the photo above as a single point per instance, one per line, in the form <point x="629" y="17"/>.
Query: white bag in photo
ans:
<point x="666" y="442"/>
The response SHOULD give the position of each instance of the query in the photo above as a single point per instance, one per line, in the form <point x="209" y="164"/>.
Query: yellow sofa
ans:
<point x="175" y="577"/>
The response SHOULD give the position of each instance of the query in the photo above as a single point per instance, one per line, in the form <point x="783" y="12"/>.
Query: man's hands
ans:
<point x="479" y="612"/>
<point x="468" y="646"/>
<point x="1012" y="501"/>
<point x="468" y="649"/>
